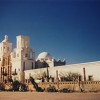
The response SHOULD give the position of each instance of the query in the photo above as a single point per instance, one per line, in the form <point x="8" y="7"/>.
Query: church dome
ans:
<point x="44" y="56"/>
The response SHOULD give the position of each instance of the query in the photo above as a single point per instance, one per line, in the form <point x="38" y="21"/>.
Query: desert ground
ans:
<point x="48" y="96"/>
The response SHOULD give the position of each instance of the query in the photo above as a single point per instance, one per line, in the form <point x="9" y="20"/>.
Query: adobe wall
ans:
<point x="87" y="86"/>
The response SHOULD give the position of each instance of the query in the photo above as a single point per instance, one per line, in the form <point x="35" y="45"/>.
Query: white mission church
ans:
<point x="20" y="63"/>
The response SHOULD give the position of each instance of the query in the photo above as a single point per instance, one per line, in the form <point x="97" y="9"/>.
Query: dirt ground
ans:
<point x="48" y="96"/>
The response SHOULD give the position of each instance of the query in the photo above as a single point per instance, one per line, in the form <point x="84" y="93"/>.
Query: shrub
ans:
<point x="23" y="88"/>
<point x="51" y="89"/>
<point x="65" y="90"/>
<point x="16" y="85"/>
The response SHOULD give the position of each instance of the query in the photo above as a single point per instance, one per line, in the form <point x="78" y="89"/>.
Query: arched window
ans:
<point x="26" y="55"/>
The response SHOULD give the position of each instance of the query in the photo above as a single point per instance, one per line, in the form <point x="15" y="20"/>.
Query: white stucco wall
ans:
<point x="16" y="64"/>
<point x="91" y="68"/>
<point x="28" y="64"/>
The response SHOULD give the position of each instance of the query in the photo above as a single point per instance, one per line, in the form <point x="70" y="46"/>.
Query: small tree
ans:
<point x="43" y="76"/>
<point x="70" y="76"/>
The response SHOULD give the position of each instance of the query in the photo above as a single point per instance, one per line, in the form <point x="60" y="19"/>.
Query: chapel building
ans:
<point x="14" y="62"/>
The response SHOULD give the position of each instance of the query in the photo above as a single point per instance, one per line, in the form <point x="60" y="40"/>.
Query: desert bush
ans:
<point x="16" y="85"/>
<point x="23" y="88"/>
<point x="65" y="90"/>
<point x="51" y="89"/>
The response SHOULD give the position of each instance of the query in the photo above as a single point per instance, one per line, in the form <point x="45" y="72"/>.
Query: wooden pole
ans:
<point x="47" y="75"/>
<point x="84" y="72"/>
<point x="57" y="79"/>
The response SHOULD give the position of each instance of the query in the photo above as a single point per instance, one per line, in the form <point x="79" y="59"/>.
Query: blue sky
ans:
<point x="67" y="29"/>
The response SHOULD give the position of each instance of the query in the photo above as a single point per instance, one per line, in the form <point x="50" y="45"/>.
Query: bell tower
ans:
<point x="23" y="57"/>
<point x="22" y="41"/>
<point x="5" y="59"/>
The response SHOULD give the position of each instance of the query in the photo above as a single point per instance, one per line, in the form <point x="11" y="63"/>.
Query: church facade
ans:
<point x="15" y="62"/>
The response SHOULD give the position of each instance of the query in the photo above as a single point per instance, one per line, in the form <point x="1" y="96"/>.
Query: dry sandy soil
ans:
<point x="48" y="96"/>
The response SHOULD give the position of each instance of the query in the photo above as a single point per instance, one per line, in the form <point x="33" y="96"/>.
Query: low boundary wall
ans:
<point x="75" y="86"/>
